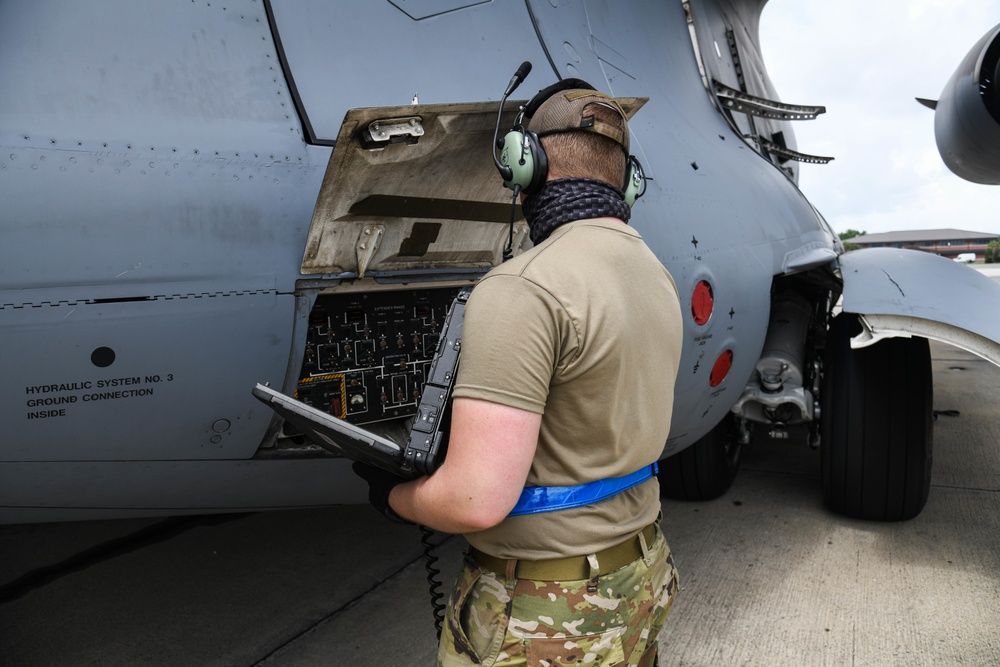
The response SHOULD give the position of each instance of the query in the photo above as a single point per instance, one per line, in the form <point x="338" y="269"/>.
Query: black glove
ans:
<point x="380" y="483"/>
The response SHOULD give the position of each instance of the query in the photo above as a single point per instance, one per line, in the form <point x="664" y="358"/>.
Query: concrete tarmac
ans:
<point x="769" y="577"/>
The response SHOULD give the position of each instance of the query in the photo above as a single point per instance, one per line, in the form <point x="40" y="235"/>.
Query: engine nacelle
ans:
<point x="967" y="118"/>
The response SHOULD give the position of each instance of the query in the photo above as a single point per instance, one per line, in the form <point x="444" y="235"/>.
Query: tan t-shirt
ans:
<point x="584" y="329"/>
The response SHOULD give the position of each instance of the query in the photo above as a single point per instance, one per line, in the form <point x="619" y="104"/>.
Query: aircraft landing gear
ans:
<point x="876" y="425"/>
<point x="706" y="469"/>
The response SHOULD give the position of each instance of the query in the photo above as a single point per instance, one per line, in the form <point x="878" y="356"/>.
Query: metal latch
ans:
<point x="380" y="133"/>
<point x="367" y="245"/>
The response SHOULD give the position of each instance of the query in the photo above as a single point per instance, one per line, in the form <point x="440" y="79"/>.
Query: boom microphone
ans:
<point x="515" y="81"/>
<point x="518" y="77"/>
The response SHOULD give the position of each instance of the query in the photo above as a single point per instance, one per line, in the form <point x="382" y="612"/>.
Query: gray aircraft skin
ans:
<point x="199" y="196"/>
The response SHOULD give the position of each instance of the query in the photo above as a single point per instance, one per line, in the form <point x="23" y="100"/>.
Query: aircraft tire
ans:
<point x="876" y="426"/>
<point x="706" y="469"/>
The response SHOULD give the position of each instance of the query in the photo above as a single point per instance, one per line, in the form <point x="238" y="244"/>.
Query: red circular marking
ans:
<point x="721" y="368"/>
<point x="702" y="303"/>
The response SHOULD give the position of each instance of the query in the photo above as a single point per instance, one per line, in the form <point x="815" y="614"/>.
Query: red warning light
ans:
<point x="702" y="303"/>
<point x="721" y="368"/>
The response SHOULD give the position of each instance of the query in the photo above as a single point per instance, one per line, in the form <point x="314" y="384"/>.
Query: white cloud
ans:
<point x="866" y="62"/>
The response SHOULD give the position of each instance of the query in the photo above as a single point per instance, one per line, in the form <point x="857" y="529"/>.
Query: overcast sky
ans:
<point x="866" y="61"/>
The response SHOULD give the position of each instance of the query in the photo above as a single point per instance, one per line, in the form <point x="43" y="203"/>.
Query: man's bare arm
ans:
<point x="489" y="455"/>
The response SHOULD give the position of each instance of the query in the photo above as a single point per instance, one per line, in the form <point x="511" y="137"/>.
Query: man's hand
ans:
<point x="380" y="483"/>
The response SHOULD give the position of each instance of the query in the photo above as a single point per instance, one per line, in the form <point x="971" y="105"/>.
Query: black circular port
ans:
<point x="102" y="357"/>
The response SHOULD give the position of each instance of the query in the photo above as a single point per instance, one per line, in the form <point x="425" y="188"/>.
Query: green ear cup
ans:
<point x="635" y="184"/>
<point x="523" y="154"/>
<point x="518" y="158"/>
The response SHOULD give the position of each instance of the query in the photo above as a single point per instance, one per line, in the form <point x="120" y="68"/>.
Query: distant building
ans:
<point x="947" y="242"/>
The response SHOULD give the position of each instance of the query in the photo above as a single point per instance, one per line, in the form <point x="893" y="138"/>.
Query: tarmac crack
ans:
<point x="78" y="562"/>
<point x="964" y="488"/>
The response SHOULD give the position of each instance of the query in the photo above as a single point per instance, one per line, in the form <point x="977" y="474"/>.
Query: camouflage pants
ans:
<point x="500" y="622"/>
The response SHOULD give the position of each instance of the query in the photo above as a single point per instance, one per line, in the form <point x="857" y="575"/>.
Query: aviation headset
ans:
<point x="523" y="164"/>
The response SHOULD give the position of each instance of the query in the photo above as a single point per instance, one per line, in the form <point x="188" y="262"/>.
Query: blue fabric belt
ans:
<point x="537" y="499"/>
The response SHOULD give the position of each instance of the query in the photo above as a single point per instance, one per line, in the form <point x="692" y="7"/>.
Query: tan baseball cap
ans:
<point x="564" y="112"/>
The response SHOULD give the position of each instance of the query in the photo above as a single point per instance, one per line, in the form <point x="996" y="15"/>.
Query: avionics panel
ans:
<point x="367" y="354"/>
